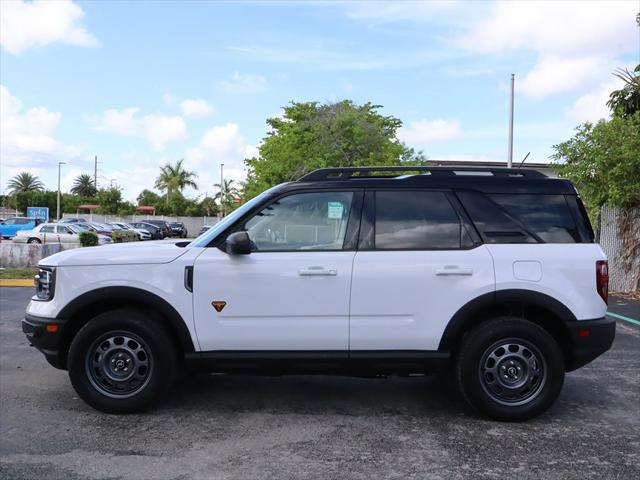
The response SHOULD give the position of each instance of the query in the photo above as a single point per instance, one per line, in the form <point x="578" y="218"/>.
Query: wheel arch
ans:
<point x="86" y="306"/>
<point x="536" y="307"/>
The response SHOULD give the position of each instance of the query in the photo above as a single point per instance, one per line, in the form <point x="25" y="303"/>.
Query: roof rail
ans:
<point x="346" y="173"/>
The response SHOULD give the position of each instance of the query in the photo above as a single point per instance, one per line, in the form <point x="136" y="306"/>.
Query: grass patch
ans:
<point x="17" y="273"/>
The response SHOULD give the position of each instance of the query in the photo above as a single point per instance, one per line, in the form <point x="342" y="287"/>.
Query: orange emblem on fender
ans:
<point x="218" y="305"/>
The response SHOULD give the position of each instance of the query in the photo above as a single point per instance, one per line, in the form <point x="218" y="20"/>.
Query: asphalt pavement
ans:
<point x="314" y="427"/>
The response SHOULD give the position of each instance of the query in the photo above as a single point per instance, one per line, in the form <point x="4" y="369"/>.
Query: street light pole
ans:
<point x="58" y="199"/>
<point x="510" y="157"/>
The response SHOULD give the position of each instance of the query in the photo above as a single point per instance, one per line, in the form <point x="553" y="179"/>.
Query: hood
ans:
<point x="133" y="253"/>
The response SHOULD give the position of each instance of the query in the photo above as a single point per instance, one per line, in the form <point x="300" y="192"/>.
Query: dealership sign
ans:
<point x="41" y="213"/>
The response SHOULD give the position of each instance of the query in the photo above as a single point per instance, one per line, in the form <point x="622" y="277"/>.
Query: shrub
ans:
<point x="88" y="239"/>
<point x="119" y="236"/>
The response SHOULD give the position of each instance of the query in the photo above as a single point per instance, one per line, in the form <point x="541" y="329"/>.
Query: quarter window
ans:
<point x="305" y="221"/>
<point x="417" y="220"/>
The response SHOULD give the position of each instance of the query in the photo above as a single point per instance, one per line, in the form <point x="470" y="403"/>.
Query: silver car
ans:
<point x="55" y="233"/>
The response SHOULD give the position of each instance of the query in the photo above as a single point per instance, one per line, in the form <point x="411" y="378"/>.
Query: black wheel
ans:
<point x="510" y="369"/>
<point x="121" y="361"/>
<point x="34" y="241"/>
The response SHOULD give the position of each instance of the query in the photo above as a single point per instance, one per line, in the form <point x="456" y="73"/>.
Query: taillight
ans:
<point x="602" y="279"/>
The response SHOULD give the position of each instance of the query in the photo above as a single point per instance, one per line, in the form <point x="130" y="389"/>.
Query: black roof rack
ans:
<point x="347" y="173"/>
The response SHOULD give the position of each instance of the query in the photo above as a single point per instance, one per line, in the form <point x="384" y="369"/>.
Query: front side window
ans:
<point x="417" y="220"/>
<point x="304" y="221"/>
<point x="61" y="229"/>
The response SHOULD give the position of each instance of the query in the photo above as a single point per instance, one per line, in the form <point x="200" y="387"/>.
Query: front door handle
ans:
<point x="454" y="270"/>
<point x="312" y="271"/>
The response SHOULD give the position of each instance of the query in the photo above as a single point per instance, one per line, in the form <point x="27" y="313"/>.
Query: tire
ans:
<point x="510" y="369"/>
<point x="121" y="361"/>
<point x="34" y="241"/>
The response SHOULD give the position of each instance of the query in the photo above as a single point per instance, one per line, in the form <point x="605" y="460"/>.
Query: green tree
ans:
<point x="149" y="198"/>
<point x="84" y="186"/>
<point x="626" y="101"/>
<point x="110" y="200"/>
<point x="227" y="196"/>
<point x="174" y="178"/>
<point x="25" y="182"/>
<point x="602" y="160"/>
<point x="312" y="135"/>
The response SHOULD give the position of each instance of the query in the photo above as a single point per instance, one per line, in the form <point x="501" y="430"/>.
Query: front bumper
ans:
<point x="46" y="335"/>
<point x="589" y="340"/>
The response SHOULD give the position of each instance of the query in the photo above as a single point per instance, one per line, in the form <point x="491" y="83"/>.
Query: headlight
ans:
<point x="45" y="282"/>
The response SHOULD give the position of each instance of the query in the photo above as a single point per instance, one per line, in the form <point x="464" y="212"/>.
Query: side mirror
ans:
<point x="238" y="243"/>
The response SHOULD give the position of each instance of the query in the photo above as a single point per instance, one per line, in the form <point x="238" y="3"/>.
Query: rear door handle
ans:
<point x="313" y="271"/>
<point x="454" y="270"/>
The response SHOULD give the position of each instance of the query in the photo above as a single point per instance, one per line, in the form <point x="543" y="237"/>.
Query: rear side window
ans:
<point x="525" y="218"/>
<point x="548" y="216"/>
<point x="417" y="220"/>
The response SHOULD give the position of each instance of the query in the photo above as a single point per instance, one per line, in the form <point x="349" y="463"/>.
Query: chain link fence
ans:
<point x="621" y="278"/>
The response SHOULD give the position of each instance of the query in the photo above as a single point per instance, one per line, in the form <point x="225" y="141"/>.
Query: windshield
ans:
<point x="77" y="228"/>
<point x="206" y="237"/>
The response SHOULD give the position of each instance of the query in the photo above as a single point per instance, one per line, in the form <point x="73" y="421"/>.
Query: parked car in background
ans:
<point x="204" y="229"/>
<point x="101" y="228"/>
<point x="13" y="225"/>
<point x="162" y="225"/>
<point x="72" y="220"/>
<point x="177" y="229"/>
<point x="141" y="233"/>
<point x="54" y="233"/>
<point x="156" y="233"/>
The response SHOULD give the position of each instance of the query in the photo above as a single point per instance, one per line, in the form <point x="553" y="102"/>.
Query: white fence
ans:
<point x="192" y="224"/>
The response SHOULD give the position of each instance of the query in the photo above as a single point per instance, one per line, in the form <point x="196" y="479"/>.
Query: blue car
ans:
<point x="11" y="225"/>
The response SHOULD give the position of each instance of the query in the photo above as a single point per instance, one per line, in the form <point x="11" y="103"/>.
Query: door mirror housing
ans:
<point x="238" y="243"/>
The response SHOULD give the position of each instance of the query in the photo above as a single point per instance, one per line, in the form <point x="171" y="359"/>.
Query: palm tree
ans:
<point x="175" y="178"/>
<point x="25" y="182"/>
<point x="227" y="195"/>
<point x="84" y="186"/>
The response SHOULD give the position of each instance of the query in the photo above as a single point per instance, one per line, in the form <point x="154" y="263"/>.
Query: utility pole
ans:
<point x="95" y="172"/>
<point x="510" y="156"/>
<point x="222" y="188"/>
<point x="58" y="200"/>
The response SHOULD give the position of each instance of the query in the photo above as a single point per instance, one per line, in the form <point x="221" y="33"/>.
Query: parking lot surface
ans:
<point x="305" y="427"/>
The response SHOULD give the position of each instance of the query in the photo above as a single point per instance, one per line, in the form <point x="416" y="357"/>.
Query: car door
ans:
<point x="66" y="235"/>
<point x="419" y="261"/>
<point x="47" y="234"/>
<point x="292" y="291"/>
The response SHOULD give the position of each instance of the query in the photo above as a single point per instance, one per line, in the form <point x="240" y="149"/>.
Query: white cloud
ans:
<point x="197" y="108"/>
<point x="245" y="83"/>
<point x="558" y="27"/>
<point x="220" y="144"/>
<point x="592" y="106"/>
<point x="28" y="138"/>
<point x="425" y="132"/>
<point x="554" y="75"/>
<point x="27" y="25"/>
<point x="158" y="130"/>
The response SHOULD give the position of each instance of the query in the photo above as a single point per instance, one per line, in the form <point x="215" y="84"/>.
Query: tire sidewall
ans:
<point x="474" y="346"/>
<point x="158" y="342"/>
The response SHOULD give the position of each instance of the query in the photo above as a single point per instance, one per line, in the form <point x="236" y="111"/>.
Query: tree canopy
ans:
<point x="84" y="186"/>
<point x="174" y="178"/>
<point x="312" y="135"/>
<point x="25" y="182"/>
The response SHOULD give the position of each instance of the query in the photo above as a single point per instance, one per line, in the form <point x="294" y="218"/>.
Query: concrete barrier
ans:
<point x="23" y="255"/>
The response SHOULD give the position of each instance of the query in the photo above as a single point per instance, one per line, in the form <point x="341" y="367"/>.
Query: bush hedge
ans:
<point x="88" y="239"/>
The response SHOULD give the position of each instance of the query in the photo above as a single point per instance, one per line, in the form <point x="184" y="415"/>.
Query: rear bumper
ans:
<point x="589" y="339"/>
<point x="45" y="340"/>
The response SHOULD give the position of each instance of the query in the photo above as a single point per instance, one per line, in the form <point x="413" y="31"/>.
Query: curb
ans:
<point x="16" y="282"/>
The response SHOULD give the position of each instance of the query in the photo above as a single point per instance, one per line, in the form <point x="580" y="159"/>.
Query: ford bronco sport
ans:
<point x="491" y="274"/>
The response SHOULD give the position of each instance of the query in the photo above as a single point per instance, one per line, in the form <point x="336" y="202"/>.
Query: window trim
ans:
<point x="350" y="237"/>
<point x="368" y="222"/>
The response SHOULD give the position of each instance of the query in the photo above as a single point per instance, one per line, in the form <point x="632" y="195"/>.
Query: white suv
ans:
<point x="492" y="274"/>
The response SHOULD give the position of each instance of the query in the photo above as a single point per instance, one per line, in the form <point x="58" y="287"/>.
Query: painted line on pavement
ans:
<point x="16" y="282"/>
<point x="622" y="317"/>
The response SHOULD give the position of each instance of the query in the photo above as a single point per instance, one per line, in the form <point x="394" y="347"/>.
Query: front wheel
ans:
<point x="510" y="369"/>
<point x="121" y="361"/>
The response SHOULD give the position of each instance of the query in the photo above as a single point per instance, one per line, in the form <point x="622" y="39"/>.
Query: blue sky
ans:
<point x="143" y="83"/>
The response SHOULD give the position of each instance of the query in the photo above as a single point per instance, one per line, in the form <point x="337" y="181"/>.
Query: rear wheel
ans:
<point x="121" y="361"/>
<point x="34" y="241"/>
<point x="510" y="369"/>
